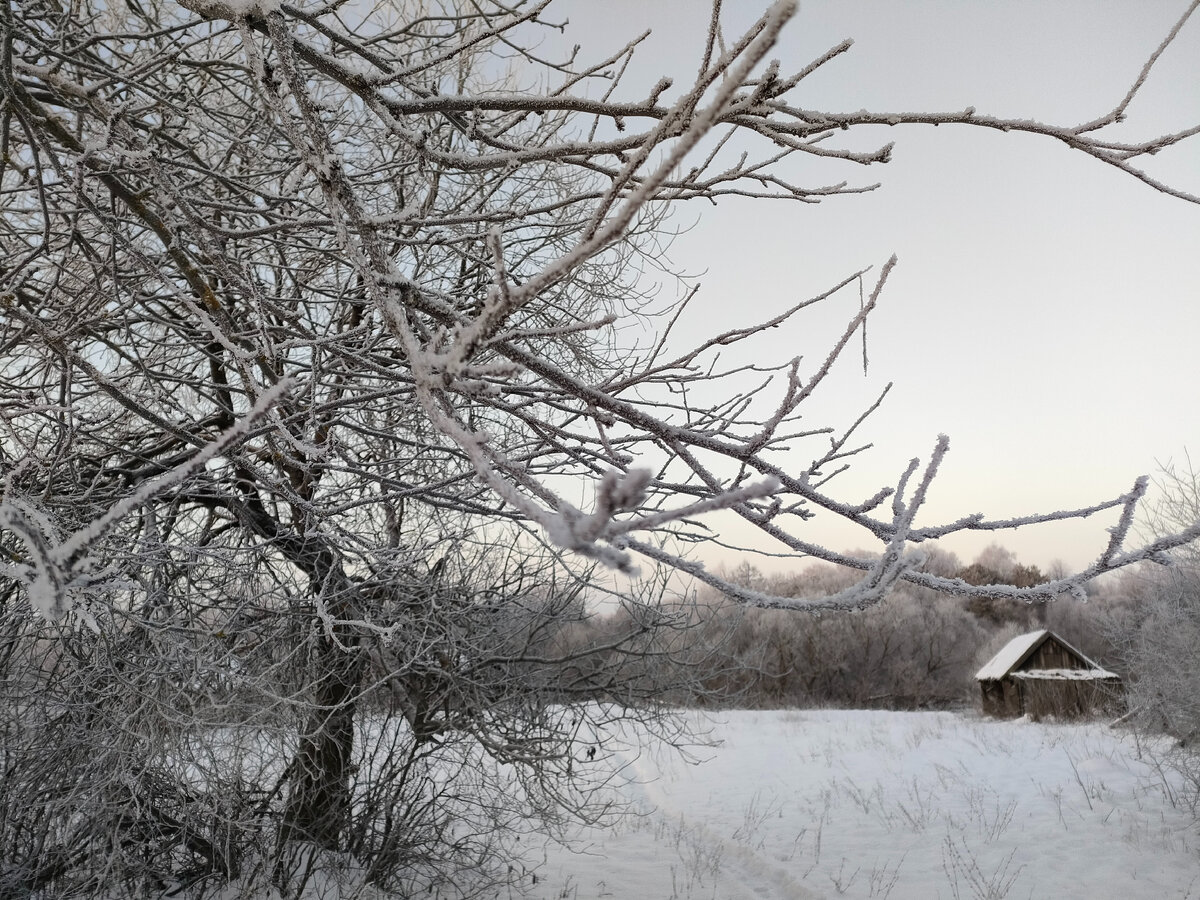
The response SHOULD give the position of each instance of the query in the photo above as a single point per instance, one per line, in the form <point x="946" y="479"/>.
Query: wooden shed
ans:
<point x="1039" y="675"/>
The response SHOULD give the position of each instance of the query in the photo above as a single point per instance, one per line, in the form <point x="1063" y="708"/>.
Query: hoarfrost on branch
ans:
<point x="436" y="260"/>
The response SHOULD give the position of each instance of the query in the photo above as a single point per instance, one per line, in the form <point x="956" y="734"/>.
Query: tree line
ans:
<point x="920" y="650"/>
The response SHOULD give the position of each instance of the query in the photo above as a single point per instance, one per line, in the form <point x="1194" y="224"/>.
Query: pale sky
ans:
<point x="1045" y="312"/>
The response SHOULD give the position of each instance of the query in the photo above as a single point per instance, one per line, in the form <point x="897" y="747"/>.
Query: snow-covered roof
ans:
<point x="1012" y="654"/>
<point x="1016" y="650"/>
<point x="1065" y="674"/>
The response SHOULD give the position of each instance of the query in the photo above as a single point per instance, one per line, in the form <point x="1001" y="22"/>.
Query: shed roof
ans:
<point x="1021" y="647"/>
<point x="1010" y="656"/>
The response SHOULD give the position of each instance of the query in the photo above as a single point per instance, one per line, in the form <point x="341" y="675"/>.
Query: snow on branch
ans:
<point x="447" y="263"/>
<point x="687" y="124"/>
<point x="617" y="493"/>
<point x="57" y="569"/>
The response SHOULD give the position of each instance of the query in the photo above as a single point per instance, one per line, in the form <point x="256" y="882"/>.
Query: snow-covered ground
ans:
<point x="857" y="804"/>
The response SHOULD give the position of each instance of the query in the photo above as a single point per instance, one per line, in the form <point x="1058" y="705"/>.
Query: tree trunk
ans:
<point x="318" y="805"/>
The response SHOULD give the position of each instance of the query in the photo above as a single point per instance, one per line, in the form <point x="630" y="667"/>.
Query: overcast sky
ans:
<point x="1045" y="313"/>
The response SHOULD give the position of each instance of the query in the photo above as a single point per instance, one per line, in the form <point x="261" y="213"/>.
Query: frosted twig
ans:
<point x="56" y="563"/>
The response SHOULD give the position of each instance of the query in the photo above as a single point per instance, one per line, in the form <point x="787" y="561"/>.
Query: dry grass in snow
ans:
<point x="861" y="804"/>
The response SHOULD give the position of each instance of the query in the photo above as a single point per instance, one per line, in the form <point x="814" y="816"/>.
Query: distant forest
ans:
<point x="918" y="650"/>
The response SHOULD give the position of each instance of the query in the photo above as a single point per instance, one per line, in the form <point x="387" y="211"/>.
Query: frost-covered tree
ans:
<point x="1158" y="636"/>
<point x="315" y="396"/>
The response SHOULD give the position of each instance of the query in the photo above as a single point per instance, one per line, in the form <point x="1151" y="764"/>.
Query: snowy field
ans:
<point x="860" y="804"/>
